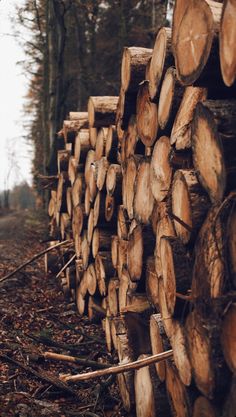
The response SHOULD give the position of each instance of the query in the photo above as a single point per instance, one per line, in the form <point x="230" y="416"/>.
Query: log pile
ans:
<point x="146" y="190"/>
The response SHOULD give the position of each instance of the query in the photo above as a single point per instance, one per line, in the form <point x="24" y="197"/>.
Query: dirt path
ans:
<point x="35" y="318"/>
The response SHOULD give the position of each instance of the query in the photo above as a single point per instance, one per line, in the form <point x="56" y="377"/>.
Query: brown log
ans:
<point x="150" y="395"/>
<point x="77" y="245"/>
<point x="93" y="136"/>
<point x="165" y="314"/>
<point x="101" y="142"/>
<point x="214" y="128"/>
<point x="87" y="202"/>
<point x="121" y="255"/>
<point x="77" y="220"/>
<point x="77" y="192"/>
<point x="85" y="250"/>
<point x="129" y="177"/>
<point x="95" y="310"/>
<point x="111" y="144"/>
<point x="164" y="227"/>
<point x="176" y="270"/>
<point x="65" y="226"/>
<point x="101" y="241"/>
<point x="90" y="226"/>
<point x="227" y="43"/>
<point x="152" y="282"/>
<point x="231" y="245"/>
<point x="160" y="169"/>
<point x="82" y="145"/>
<point x="63" y="182"/>
<point x="180" y="354"/>
<point x="92" y="185"/>
<point x="169" y="101"/>
<point x="133" y="66"/>
<point x="71" y="277"/>
<point x="73" y="169"/>
<point x="69" y="201"/>
<point x="143" y="198"/>
<point x="190" y="204"/>
<point x="228" y="337"/>
<point x="52" y="206"/>
<point x="136" y="303"/>
<point x="162" y="59"/>
<point x="180" y="401"/>
<point x="132" y="143"/>
<point x="147" y="116"/>
<point x="125" y="109"/>
<point x="123" y="223"/>
<point x="71" y="128"/>
<point x="89" y="160"/>
<point x="203" y="341"/>
<point x="114" y="180"/>
<point x="159" y="343"/>
<point x="63" y="157"/>
<point x="102" y="110"/>
<point x="101" y="168"/>
<point x="91" y="279"/>
<point x="126" y="286"/>
<point x="181" y="130"/>
<point x="112" y="296"/>
<point x="114" y="250"/>
<point x="104" y="270"/>
<point x="99" y="209"/>
<point x="110" y="208"/>
<point x="203" y="408"/>
<point x="209" y="267"/>
<point x="194" y="47"/>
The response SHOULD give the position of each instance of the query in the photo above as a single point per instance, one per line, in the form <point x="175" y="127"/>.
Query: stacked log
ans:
<point x="150" y="206"/>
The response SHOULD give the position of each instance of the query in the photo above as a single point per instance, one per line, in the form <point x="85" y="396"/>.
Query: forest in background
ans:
<point x="73" y="50"/>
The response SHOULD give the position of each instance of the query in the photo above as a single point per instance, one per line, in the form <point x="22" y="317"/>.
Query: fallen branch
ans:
<point x="66" y="265"/>
<point x="51" y="380"/>
<point x="76" y="360"/>
<point x="38" y="255"/>
<point x="119" y="368"/>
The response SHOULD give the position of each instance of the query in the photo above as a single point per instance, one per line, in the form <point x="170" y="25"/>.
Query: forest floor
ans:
<point x="35" y="318"/>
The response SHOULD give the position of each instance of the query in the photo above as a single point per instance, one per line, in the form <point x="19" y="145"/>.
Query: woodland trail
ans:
<point x="35" y="318"/>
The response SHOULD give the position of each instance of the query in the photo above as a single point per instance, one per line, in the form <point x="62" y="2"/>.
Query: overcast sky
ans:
<point x="14" y="150"/>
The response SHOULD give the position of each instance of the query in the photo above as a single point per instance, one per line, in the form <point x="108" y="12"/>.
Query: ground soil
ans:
<point x="35" y="318"/>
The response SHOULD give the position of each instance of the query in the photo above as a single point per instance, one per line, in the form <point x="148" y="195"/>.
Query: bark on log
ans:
<point x="131" y="142"/>
<point x="112" y="296"/>
<point x="203" y="408"/>
<point x="85" y="250"/>
<point x="190" y="204"/>
<point x="110" y="208"/>
<point x="91" y="279"/>
<point x="162" y="59"/>
<point x="160" y="169"/>
<point x="133" y="66"/>
<point x="147" y="116"/>
<point x="181" y="130"/>
<point x="126" y="286"/>
<point x="123" y="223"/>
<point x="63" y="157"/>
<point x="214" y="128"/>
<point x="159" y="343"/>
<point x="129" y="177"/>
<point x="101" y="167"/>
<point x="102" y="111"/>
<point x="121" y="255"/>
<point x="227" y="43"/>
<point x="90" y="226"/>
